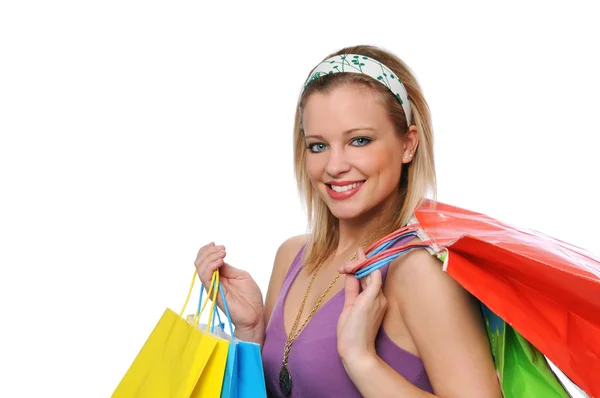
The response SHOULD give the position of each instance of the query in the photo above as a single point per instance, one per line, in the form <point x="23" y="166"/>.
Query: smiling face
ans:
<point x="354" y="155"/>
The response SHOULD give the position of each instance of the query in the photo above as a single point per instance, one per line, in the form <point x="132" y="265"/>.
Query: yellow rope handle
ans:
<point x="187" y="299"/>
<point x="214" y="278"/>
<point x="214" y="300"/>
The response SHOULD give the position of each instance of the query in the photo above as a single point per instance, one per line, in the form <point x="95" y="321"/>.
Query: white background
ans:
<point x="132" y="133"/>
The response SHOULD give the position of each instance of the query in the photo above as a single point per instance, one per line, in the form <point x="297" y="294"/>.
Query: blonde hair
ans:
<point x="418" y="178"/>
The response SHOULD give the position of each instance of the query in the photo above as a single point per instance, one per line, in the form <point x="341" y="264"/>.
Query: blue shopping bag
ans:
<point x="251" y="377"/>
<point x="244" y="374"/>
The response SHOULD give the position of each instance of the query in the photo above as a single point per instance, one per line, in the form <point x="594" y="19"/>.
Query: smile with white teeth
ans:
<point x="344" y="188"/>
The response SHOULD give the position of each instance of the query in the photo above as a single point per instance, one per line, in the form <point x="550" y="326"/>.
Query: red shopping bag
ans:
<point x="547" y="290"/>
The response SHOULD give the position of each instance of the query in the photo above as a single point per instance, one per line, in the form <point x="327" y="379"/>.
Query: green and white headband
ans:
<point x="355" y="63"/>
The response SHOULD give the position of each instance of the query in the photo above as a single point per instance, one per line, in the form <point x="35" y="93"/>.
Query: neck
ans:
<point x="367" y="228"/>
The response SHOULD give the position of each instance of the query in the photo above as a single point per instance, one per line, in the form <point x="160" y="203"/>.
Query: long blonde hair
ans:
<point x="418" y="178"/>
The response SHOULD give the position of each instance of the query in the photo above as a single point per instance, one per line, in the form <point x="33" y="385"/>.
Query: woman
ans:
<point x="363" y="152"/>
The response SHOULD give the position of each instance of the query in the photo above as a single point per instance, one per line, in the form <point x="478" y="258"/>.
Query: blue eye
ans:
<point x="316" y="147"/>
<point x="361" y="141"/>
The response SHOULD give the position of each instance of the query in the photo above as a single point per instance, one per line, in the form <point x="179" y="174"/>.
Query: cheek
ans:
<point x="385" y="163"/>
<point x="394" y="166"/>
<point x="315" y="167"/>
<point x="386" y="170"/>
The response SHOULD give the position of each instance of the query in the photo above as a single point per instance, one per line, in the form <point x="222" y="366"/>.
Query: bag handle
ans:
<point x="226" y="308"/>
<point x="379" y="254"/>
<point x="216" y="311"/>
<point x="200" y="306"/>
<point x="214" y="282"/>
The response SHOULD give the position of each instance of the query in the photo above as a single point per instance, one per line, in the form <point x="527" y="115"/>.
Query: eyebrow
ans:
<point x="344" y="133"/>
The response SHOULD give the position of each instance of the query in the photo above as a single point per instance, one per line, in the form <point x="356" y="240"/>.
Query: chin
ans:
<point x="346" y="212"/>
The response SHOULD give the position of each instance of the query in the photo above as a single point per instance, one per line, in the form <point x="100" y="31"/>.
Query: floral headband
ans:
<point x="360" y="64"/>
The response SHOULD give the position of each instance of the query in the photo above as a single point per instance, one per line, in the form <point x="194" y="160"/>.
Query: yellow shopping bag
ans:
<point x="178" y="360"/>
<point x="211" y="380"/>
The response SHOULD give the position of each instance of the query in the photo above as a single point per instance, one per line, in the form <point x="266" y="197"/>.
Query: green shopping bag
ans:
<point x="522" y="369"/>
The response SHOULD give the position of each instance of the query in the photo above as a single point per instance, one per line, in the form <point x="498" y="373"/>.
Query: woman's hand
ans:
<point x="361" y="316"/>
<point x="244" y="298"/>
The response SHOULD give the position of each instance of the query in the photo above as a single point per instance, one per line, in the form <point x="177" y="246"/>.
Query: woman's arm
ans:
<point x="447" y="328"/>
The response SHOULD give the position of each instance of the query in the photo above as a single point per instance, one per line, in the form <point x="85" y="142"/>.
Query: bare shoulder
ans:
<point x="446" y="325"/>
<point x="416" y="266"/>
<point x="284" y="257"/>
<point x="420" y="281"/>
<point x="287" y="252"/>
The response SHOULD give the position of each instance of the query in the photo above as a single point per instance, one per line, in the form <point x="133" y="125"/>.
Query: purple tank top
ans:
<point x="314" y="363"/>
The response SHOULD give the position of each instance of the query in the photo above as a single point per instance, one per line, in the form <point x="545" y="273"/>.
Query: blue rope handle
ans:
<point x="226" y="310"/>
<point x="386" y="245"/>
<point x="216" y="312"/>
<point x="378" y="264"/>
<point x="386" y="260"/>
<point x="212" y="326"/>
<point x="225" y="306"/>
<point x="200" y="301"/>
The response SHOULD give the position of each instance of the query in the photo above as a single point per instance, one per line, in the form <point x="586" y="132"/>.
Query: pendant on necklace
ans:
<point x="285" y="381"/>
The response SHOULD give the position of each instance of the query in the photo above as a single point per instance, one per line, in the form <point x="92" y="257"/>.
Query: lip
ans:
<point x="346" y="194"/>
<point x="343" y="183"/>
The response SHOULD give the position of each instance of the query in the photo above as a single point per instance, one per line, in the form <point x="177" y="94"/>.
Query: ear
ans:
<point x="410" y="144"/>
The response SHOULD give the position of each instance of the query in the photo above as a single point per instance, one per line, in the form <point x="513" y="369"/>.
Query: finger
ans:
<point x="211" y="250"/>
<point x="206" y="267"/>
<point x="207" y="251"/>
<point x="363" y="282"/>
<point x="373" y="283"/>
<point x="349" y="267"/>
<point x="214" y="265"/>
<point x="202" y="252"/>
<point x="215" y="256"/>
<point x="351" y="290"/>
<point x="360" y="255"/>
<point x="352" y="266"/>
<point x="360" y="259"/>
<point x="206" y="278"/>
<point x="203" y="248"/>
<point x="211" y="266"/>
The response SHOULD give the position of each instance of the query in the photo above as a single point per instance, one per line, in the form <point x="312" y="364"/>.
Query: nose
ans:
<point x="337" y="162"/>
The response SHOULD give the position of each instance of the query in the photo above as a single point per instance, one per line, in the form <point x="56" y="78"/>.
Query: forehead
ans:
<point x="346" y="107"/>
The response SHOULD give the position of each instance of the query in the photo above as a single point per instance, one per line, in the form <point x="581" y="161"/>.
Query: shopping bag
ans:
<point x="546" y="292"/>
<point x="244" y="373"/>
<point x="251" y="375"/>
<point x="177" y="360"/>
<point x="211" y="380"/>
<point x="522" y="369"/>
<point x="217" y="328"/>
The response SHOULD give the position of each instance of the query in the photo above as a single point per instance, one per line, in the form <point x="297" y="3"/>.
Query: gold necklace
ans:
<point x="285" y="378"/>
